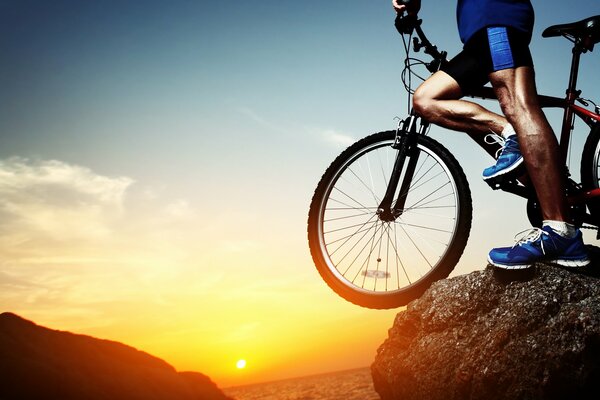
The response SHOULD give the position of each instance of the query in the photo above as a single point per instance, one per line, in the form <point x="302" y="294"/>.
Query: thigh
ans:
<point x="515" y="89"/>
<point x="439" y="86"/>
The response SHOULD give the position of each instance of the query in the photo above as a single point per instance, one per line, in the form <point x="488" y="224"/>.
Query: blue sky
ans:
<point x="163" y="155"/>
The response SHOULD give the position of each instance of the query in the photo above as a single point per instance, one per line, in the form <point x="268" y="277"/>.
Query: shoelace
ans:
<point x="506" y="144"/>
<point x="530" y="235"/>
<point x="492" y="138"/>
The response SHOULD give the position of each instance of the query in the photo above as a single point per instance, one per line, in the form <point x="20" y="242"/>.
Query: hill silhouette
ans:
<point x="37" y="362"/>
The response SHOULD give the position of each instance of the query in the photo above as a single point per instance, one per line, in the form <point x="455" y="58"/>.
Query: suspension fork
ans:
<point x="406" y="144"/>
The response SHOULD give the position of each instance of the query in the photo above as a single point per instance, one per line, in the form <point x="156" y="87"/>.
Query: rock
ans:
<point x="40" y="363"/>
<point x="496" y="335"/>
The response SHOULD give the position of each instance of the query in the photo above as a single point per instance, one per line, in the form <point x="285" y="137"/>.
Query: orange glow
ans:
<point x="176" y="282"/>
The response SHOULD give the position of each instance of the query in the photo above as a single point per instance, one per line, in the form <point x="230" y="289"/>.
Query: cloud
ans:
<point x="241" y="333"/>
<point x="75" y="243"/>
<point x="54" y="199"/>
<point x="253" y="116"/>
<point x="179" y="209"/>
<point x="331" y="136"/>
<point x="19" y="174"/>
<point x="337" y="138"/>
<point x="11" y="282"/>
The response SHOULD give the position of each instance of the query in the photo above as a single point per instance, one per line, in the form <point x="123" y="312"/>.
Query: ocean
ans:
<point x="353" y="384"/>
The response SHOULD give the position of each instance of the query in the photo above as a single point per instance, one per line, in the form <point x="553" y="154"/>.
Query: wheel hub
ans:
<point x="386" y="215"/>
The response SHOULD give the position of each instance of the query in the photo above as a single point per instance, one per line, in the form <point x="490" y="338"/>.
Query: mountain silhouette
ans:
<point x="41" y="363"/>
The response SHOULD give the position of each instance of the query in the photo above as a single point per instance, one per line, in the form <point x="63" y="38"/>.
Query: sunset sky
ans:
<point x="157" y="161"/>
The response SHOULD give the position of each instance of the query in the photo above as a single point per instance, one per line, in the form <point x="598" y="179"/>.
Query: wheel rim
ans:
<point x="596" y="166"/>
<point x="376" y="257"/>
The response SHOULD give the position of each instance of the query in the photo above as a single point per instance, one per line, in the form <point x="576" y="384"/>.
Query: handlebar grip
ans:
<point x="405" y="23"/>
<point x="411" y="3"/>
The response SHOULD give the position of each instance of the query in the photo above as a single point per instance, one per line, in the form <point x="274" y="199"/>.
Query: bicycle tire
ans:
<point x="412" y="281"/>
<point x="590" y="169"/>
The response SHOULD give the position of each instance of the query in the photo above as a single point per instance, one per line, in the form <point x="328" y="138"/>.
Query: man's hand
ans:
<point x="398" y="7"/>
<point x="411" y="8"/>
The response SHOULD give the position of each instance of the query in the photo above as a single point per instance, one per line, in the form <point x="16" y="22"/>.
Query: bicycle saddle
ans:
<point x="586" y="31"/>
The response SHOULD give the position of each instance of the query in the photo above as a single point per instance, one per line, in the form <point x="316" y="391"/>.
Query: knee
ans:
<point x="423" y="104"/>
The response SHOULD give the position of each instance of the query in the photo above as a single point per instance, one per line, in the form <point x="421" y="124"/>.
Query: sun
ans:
<point x="241" y="364"/>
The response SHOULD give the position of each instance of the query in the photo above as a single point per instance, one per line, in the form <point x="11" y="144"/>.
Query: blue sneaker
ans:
<point x="509" y="160"/>
<point x="541" y="245"/>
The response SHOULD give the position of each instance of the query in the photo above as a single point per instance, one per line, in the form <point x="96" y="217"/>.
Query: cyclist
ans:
<point x="496" y="36"/>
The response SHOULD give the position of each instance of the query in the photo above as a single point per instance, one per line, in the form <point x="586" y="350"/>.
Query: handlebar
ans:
<point x="406" y="24"/>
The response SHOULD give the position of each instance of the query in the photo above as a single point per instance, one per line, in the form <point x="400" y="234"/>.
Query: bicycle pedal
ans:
<point x="501" y="182"/>
<point x="493" y="184"/>
<point x="508" y="179"/>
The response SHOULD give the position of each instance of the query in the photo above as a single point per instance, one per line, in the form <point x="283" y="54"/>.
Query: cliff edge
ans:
<point x="496" y="335"/>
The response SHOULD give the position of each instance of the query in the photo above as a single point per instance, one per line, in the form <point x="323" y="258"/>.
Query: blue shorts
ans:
<point x="489" y="50"/>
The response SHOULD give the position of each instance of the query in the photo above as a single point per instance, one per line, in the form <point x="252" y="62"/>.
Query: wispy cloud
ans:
<point x="260" y="120"/>
<point x="179" y="209"/>
<point x="336" y="138"/>
<point x="241" y="333"/>
<point x="331" y="136"/>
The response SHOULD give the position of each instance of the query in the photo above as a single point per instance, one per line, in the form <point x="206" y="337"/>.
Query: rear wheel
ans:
<point x="385" y="264"/>
<point x="590" y="170"/>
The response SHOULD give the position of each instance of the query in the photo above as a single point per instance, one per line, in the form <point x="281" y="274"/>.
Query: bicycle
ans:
<point x="392" y="213"/>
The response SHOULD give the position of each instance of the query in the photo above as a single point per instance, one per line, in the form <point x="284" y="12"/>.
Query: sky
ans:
<point x="157" y="161"/>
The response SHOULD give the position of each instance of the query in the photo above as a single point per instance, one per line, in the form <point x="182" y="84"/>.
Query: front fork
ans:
<point x="406" y="144"/>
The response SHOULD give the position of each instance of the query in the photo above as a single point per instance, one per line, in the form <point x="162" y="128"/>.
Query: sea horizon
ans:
<point x="348" y="384"/>
<point x="297" y="377"/>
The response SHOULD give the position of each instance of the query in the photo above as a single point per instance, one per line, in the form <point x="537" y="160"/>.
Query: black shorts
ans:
<point x="489" y="50"/>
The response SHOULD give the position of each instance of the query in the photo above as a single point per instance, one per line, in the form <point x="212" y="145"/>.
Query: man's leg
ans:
<point x="517" y="94"/>
<point x="557" y="241"/>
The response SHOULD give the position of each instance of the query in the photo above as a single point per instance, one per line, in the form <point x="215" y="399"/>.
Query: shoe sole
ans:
<point x="572" y="264"/>
<point x="505" y="171"/>
<point x="511" y="267"/>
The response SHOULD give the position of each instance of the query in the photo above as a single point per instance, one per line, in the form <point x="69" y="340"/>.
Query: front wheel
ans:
<point x="378" y="263"/>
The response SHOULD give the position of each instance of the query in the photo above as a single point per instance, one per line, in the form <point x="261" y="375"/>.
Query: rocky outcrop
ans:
<point x="40" y="363"/>
<point x="492" y="335"/>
